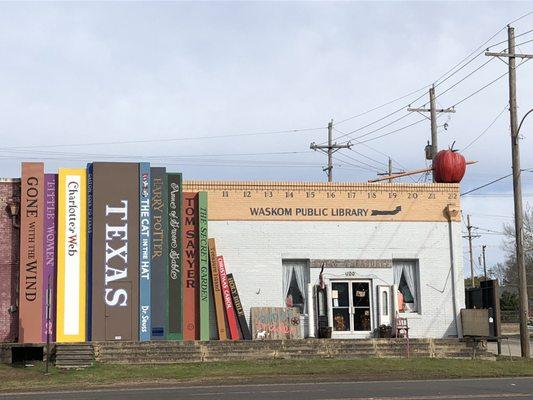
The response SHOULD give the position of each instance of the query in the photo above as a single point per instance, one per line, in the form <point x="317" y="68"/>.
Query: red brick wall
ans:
<point x="9" y="262"/>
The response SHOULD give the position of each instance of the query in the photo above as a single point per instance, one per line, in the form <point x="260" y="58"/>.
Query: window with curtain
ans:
<point x="295" y="281"/>
<point x="406" y="276"/>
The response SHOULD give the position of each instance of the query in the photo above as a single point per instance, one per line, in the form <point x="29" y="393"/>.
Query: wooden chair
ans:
<point x="402" y="326"/>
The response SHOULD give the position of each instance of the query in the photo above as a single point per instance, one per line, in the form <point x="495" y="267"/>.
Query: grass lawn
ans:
<point x="32" y="378"/>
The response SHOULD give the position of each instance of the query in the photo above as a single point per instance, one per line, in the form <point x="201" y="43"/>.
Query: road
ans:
<point x="493" y="388"/>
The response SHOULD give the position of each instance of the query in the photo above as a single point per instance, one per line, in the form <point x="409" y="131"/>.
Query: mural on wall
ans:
<point x="276" y="323"/>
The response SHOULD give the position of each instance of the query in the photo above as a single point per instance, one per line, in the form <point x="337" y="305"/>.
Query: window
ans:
<point x="384" y="303"/>
<point x="295" y="281"/>
<point x="406" y="276"/>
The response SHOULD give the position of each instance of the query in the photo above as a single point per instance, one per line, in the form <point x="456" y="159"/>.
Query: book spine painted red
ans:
<point x="228" y="301"/>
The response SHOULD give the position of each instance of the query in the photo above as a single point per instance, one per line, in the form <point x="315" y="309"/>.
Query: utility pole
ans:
<point x="469" y="228"/>
<point x="517" y="188"/>
<point x="484" y="262"/>
<point x="329" y="150"/>
<point x="390" y="172"/>
<point x="432" y="110"/>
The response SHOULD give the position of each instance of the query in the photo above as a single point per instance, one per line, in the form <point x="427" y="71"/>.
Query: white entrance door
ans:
<point x="351" y="308"/>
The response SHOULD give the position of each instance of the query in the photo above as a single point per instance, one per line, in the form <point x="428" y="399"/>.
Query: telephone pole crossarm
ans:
<point x="433" y="111"/>
<point x="329" y="149"/>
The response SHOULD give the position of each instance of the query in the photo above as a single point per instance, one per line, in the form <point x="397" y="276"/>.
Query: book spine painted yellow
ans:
<point x="71" y="256"/>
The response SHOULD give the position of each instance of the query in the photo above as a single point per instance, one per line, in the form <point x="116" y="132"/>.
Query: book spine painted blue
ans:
<point x="145" y="328"/>
<point x="159" y="253"/>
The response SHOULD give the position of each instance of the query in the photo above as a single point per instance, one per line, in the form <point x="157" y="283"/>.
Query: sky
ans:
<point x="239" y="90"/>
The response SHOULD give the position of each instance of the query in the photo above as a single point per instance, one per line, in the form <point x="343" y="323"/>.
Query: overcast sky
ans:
<point x="73" y="75"/>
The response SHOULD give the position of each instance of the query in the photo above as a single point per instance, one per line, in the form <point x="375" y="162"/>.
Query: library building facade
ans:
<point x="349" y="256"/>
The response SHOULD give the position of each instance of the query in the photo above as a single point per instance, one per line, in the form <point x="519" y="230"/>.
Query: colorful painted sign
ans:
<point x="217" y="291"/>
<point x="49" y="270"/>
<point x="31" y="286"/>
<point x="276" y="323"/>
<point x="145" y="271"/>
<point x="204" y="286"/>
<point x="159" y="260"/>
<point x="115" y="273"/>
<point x="71" y="257"/>
<point x="175" y="300"/>
<point x="228" y="301"/>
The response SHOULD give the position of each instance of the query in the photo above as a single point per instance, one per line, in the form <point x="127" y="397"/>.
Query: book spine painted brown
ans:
<point x="31" y="253"/>
<point x="190" y="265"/>
<point x="217" y="292"/>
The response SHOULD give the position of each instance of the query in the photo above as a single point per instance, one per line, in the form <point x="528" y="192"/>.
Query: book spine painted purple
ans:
<point x="49" y="267"/>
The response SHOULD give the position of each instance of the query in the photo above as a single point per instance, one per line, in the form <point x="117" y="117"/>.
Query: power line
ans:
<point x="484" y="87"/>
<point x="381" y="106"/>
<point x="374" y="168"/>
<point x="394" y="131"/>
<point x="486" y="129"/>
<point x="486" y="184"/>
<point x="166" y="140"/>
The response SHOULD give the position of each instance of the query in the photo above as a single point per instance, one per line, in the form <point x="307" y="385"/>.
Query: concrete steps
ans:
<point x="163" y="352"/>
<point x="75" y="355"/>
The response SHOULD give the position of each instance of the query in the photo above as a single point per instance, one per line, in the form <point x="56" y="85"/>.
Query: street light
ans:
<point x="523" y="118"/>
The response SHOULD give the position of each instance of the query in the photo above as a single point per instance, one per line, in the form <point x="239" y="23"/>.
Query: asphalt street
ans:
<point x="498" y="388"/>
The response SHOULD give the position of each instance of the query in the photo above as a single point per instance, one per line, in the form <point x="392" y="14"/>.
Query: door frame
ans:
<point x="350" y="334"/>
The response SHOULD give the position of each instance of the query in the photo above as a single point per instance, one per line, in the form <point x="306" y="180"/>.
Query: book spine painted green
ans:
<point x="204" y="266"/>
<point x="175" y="295"/>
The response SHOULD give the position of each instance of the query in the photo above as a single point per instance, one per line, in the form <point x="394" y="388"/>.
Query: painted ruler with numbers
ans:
<point x="292" y="201"/>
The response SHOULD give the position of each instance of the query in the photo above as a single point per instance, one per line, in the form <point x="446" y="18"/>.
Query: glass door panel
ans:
<point x="361" y="306"/>
<point x="340" y="297"/>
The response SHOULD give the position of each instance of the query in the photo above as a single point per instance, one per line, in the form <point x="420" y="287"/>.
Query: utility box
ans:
<point x="475" y="322"/>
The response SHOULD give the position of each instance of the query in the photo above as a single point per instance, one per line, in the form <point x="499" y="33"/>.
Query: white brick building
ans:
<point x="400" y="237"/>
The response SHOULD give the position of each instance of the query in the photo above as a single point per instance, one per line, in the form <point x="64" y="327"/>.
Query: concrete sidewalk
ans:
<point x="510" y="346"/>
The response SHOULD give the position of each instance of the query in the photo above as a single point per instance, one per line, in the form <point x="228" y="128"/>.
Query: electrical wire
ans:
<point x="485" y="130"/>
<point x="165" y="140"/>
<point x="394" y="131"/>
<point x="382" y="105"/>
<point x="486" y="184"/>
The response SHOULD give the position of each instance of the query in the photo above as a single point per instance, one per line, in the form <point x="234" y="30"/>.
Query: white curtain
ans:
<point x="408" y="268"/>
<point x="301" y="272"/>
<point x="287" y="276"/>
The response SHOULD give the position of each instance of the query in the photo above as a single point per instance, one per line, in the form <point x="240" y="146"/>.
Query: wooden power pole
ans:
<point x="433" y="111"/>
<point x="517" y="188"/>
<point x="484" y="261"/>
<point x="469" y="236"/>
<point x="329" y="150"/>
